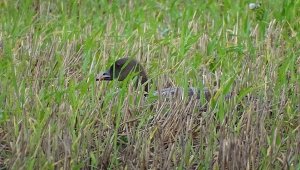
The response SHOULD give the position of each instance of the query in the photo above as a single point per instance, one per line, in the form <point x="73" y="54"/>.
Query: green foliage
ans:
<point x="54" y="115"/>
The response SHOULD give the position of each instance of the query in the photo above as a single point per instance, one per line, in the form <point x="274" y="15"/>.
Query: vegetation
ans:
<point x="53" y="114"/>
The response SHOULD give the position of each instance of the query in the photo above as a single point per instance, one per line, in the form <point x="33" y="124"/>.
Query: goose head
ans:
<point x="122" y="68"/>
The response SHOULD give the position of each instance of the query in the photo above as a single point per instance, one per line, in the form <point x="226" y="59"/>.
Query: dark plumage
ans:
<point x="125" y="66"/>
<point x="122" y="68"/>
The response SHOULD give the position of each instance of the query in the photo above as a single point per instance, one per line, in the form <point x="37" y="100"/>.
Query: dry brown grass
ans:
<point x="58" y="117"/>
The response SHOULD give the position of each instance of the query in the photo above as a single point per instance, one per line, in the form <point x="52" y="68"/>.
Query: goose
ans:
<point x="123" y="67"/>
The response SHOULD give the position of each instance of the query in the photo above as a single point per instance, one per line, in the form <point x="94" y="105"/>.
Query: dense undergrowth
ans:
<point x="53" y="114"/>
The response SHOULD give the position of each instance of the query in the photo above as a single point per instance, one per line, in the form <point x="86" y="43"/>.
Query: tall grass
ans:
<point x="54" y="115"/>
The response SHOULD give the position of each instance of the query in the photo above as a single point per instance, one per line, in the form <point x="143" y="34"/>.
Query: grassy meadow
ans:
<point x="54" y="115"/>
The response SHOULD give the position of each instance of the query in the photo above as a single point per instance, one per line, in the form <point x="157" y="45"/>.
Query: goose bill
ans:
<point x="103" y="76"/>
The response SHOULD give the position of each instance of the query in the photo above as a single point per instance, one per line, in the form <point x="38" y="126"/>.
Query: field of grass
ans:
<point x="53" y="114"/>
